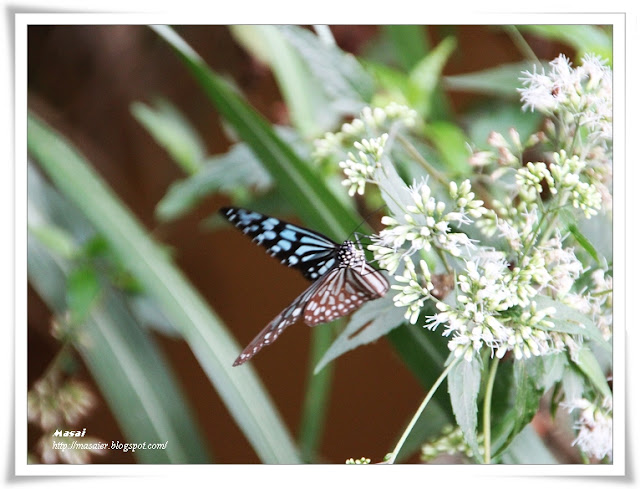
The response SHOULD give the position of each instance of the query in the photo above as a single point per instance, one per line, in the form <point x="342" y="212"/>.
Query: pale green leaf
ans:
<point x="236" y="168"/>
<point x="302" y="93"/>
<point x="566" y="319"/>
<point x="583" y="38"/>
<point x="409" y="42"/>
<point x="54" y="238"/>
<point x="490" y="117"/>
<point x="83" y="288"/>
<point x="341" y="76"/>
<point x="301" y="185"/>
<point x="587" y="363"/>
<point x="500" y="81"/>
<point x="452" y="144"/>
<point x="239" y="389"/>
<point x="367" y="324"/>
<point x="173" y="132"/>
<point x="425" y="76"/>
<point x="528" y="448"/>
<point x="464" y="386"/>
<point x="115" y="350"/>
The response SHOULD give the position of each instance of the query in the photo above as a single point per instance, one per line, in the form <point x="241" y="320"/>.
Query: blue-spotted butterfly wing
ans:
<point x="336" y="294"/>
<point x="308" y="251"/>
<point x="343" y="293"/>
<point x="287" y="317"/>
<point x="337" y="290"/>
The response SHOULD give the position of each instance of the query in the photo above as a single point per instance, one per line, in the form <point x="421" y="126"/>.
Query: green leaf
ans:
<point x="553" y="370"/>
<point x="298" y="183"/>
<point x="302" y="93"/>
<point x="173" y="132"/>
<point x="599" y="231"/>
<point x="146" y="402"/>
<point x="526" y="378"/>
<point x="240" y="389"/>
<point x="238" y="167"/>
<point x="500" y="81"/>
<point x="585" y="360"/>
<point x="566" y="319"/>
<point x="526" y="395"/>
<point x="55" y="239"/>
<point x="451" y="143"/>
<point x="583" y="241"/>
<point x="584" y="38"/>
<point x="116" y="351"/>
<point x="499" y="118"/>
<point x="316" y="399"/>
<point x="528" y="448"/>
<point x="409" y="43"/>
<point x="464" y="386"/>
<point x="149" y="314"/>
<point x="341" y="76"/>
<point x="367" y="324"/>
<point x="573" y="384"/>
<point x="83" y="288"/>
<point x="425" y="76"/>
<point x="393" y="83"/>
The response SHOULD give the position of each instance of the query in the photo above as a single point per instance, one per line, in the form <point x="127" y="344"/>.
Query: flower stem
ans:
<point x="552" y="223"/>
<point x="520" y="42"/>
<point x="487" y="410"/>
<point x="416" y="416"/>
<point x="443" y="259"/>
<point x="415" y="154"/>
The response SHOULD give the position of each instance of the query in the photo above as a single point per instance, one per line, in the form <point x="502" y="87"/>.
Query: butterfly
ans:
<point x="342" y="278"/>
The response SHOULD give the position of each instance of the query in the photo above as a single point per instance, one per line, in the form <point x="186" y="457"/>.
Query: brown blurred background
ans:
<point x="82" y="80"/>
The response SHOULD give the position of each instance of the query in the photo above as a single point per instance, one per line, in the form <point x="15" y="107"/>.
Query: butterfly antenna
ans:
<point x="366" y="219"/>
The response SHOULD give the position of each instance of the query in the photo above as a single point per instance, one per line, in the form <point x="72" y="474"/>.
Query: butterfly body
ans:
<point x="342" y="278"/>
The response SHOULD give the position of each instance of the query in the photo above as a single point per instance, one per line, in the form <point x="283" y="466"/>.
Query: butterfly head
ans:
<point x="350" y="255"/>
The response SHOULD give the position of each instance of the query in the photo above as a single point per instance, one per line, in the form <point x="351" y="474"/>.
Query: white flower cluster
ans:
<point x="602" y="299"/>
<point x="563" y="266"/>
<point x="488" y="289"/>
<point x="359" y="461"/>
<point x="512" y="222"/>
<point x="370" y="122"/>
<point x="426" y="224"/>
<point x="529" y="180"/>
<point x="595" y="427"/>
<point x="597" y="302"/>
<point x="465" y="201"/>
<point x="578" y="102"/>
<point x="413" y="294"/>
<point x="583" y="94"/>
<point x="496" y="301"/>
<point x="563" y="179"/>
<point x="55" y="402"/>
<point x="360" y="169"/>
<point x="451" y="442"/>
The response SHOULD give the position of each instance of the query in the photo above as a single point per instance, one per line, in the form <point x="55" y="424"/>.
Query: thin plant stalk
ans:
<point x="394" y="455"/>
<point x="487" y="410"/>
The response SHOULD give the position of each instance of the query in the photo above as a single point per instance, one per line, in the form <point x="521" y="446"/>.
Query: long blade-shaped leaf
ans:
<point x="315" y="203"/>
<point x="300" y="186"/>
<point x="303" y="188"/>
<point x="303" y="93"/>
<point x="464" y="386"/>
<point x="123" y="358"/>
<point x="410" y="43"/>
<point x="240" y="389"/>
